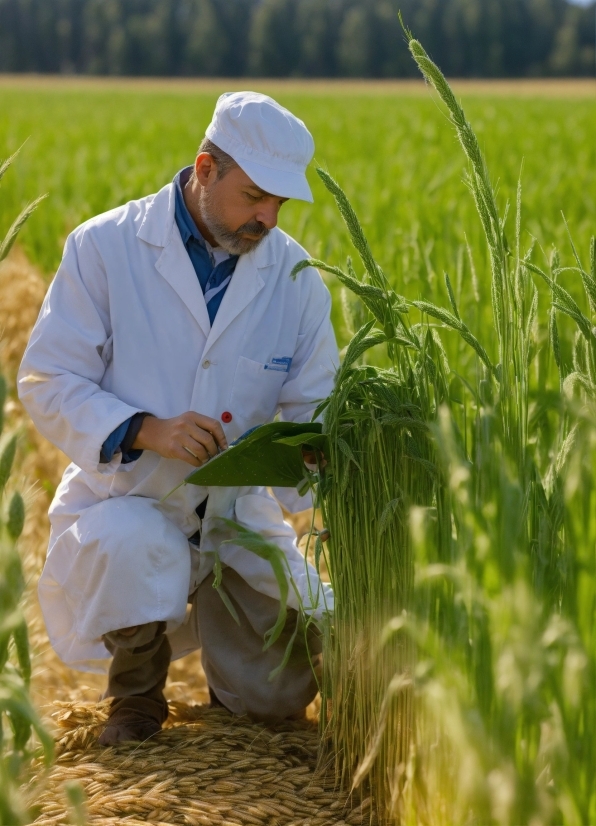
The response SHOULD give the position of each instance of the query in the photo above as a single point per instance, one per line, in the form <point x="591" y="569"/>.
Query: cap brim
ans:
<point x="277" y="182"/>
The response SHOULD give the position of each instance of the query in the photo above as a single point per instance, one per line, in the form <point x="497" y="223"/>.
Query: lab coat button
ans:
<point x="226" y="417"/>
<point x="206" y="364"/>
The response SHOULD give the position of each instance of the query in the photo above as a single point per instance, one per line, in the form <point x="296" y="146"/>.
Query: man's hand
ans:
<point x="310" y="456"/>
<point x="191" y="437"/>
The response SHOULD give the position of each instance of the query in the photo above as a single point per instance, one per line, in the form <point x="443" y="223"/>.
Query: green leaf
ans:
<point x="217" y="571"/>
<point x="388" y="514"/>
<point x="382" y="303"/>
<point x="2" y="401"/>
<point x="361" y="342"/>
<point x="590" y="289"/>
<point x="17" y="225"/>
<point x="21" y="640"/>
<point x="318" y="552"/>
<point x="451" y="295"/>
<point x="566" y="450"/>
<point x="259" y="458"/>
<point x="303" y="486"/>
<point x="6" y="460"/>
<point x="256" y="544"/>
<point x="7" y="163"/>
<point x="313" y="262"/>
<point x="457" y="324"/>
<point x="287" y="653"/>
<point x="563" y="301"/>
<point x="317" y="440"/>
<point x="16" y="515"/>
<point x="353" y="225"/>
<point x="554" y="338"/>
<point x="348" y="452"/>
<point x="76" y="797"/>
<point x="456" y="390"/>
<point x="14" y="700"/>
<point x="228" y="603"/>
<point x="21" y="730"/>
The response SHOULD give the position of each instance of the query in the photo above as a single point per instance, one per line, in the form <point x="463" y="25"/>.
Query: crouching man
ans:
<point x="173" y="326"/>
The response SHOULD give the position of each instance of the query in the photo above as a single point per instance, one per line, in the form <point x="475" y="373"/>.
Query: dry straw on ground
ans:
<point x="206" y="767"/>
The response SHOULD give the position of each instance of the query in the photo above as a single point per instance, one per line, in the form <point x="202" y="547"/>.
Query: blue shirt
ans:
<point x="214" y="279"/>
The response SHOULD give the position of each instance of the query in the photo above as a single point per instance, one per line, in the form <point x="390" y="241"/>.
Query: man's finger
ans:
<point x="188" y="456"/>
<point x="204" y="441"/>
<point x="213" y="427"/>
<point x="198" y="450"/>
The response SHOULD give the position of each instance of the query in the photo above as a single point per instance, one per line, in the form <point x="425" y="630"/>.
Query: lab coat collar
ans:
<point x="184" y="220"/>
<point x="158" y="222"/>
<point x="159" y="229"/>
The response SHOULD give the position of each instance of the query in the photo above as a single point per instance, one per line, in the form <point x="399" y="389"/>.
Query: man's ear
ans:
<point x="205" y="168"/>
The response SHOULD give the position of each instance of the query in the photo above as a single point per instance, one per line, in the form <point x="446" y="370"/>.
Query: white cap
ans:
<point x="269" y="143"/>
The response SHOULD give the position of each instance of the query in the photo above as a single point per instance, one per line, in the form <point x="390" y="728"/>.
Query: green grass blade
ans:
<point x="17" y="225"/>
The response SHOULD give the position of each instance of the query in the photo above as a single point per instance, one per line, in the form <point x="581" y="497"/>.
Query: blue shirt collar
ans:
<point x="186" y="225"/>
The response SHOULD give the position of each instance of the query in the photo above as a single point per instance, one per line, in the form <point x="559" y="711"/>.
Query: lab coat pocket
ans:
<point x="255" y="392"/>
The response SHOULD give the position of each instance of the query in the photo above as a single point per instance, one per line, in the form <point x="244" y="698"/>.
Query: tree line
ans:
<point x="295" y="38"/>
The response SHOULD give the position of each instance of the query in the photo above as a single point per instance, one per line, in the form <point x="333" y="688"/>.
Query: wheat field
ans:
<point x="92" y="145"/>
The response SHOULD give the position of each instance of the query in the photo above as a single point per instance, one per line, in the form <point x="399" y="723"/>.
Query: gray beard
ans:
<point x="228" y="239"/>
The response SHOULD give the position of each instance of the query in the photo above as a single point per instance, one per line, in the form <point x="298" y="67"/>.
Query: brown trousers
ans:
<point x="237" y="669"/>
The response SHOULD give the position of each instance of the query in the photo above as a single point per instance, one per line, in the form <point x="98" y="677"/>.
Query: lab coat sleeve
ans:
<point x="63" y="366"/>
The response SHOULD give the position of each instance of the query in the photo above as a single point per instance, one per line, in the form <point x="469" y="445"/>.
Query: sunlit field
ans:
<point x="465" y="469"/>
<point x="93" y="146"/>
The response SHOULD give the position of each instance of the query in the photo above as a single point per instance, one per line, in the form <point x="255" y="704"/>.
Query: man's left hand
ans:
<point x="313" y="459"/>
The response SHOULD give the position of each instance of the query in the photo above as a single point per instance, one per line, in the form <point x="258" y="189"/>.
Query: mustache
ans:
<point x="253" y="228"/>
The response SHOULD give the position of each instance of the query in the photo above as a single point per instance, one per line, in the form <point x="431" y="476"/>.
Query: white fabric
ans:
<point x="217" y="254"/>
<point x="124" y="328"/>
<point x="268" y="142"/>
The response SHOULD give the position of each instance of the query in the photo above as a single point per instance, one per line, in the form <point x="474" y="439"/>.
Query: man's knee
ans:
<point x="270" y="703"/>
<point x="128" y="558"/>
<point x="237" y="668"/>
<point x="250" y="690"/>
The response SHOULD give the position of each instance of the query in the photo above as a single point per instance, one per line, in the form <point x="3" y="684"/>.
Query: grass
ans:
<point x="94" y="148"/>
<point x="492" y="582"/>
<point x="18" y="718"/>
<point x="498" y="549"/>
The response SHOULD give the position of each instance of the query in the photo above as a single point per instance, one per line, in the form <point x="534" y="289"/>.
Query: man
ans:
<point x="173" y="326"/>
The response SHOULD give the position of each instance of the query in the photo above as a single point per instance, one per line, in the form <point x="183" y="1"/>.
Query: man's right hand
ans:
<point x="191" y="437"/>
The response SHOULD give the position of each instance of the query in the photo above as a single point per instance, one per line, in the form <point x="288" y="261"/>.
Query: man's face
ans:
<point x="237" y="213"/>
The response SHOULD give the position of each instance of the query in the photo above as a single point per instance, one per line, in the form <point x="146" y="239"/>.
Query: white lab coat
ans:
<point x="124" y="328"/>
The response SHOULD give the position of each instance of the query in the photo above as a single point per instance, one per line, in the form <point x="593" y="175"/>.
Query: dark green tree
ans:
<point x="304" y="38"/>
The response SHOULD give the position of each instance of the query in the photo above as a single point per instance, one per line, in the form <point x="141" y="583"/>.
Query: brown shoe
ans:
<point x="133" y="719"/>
